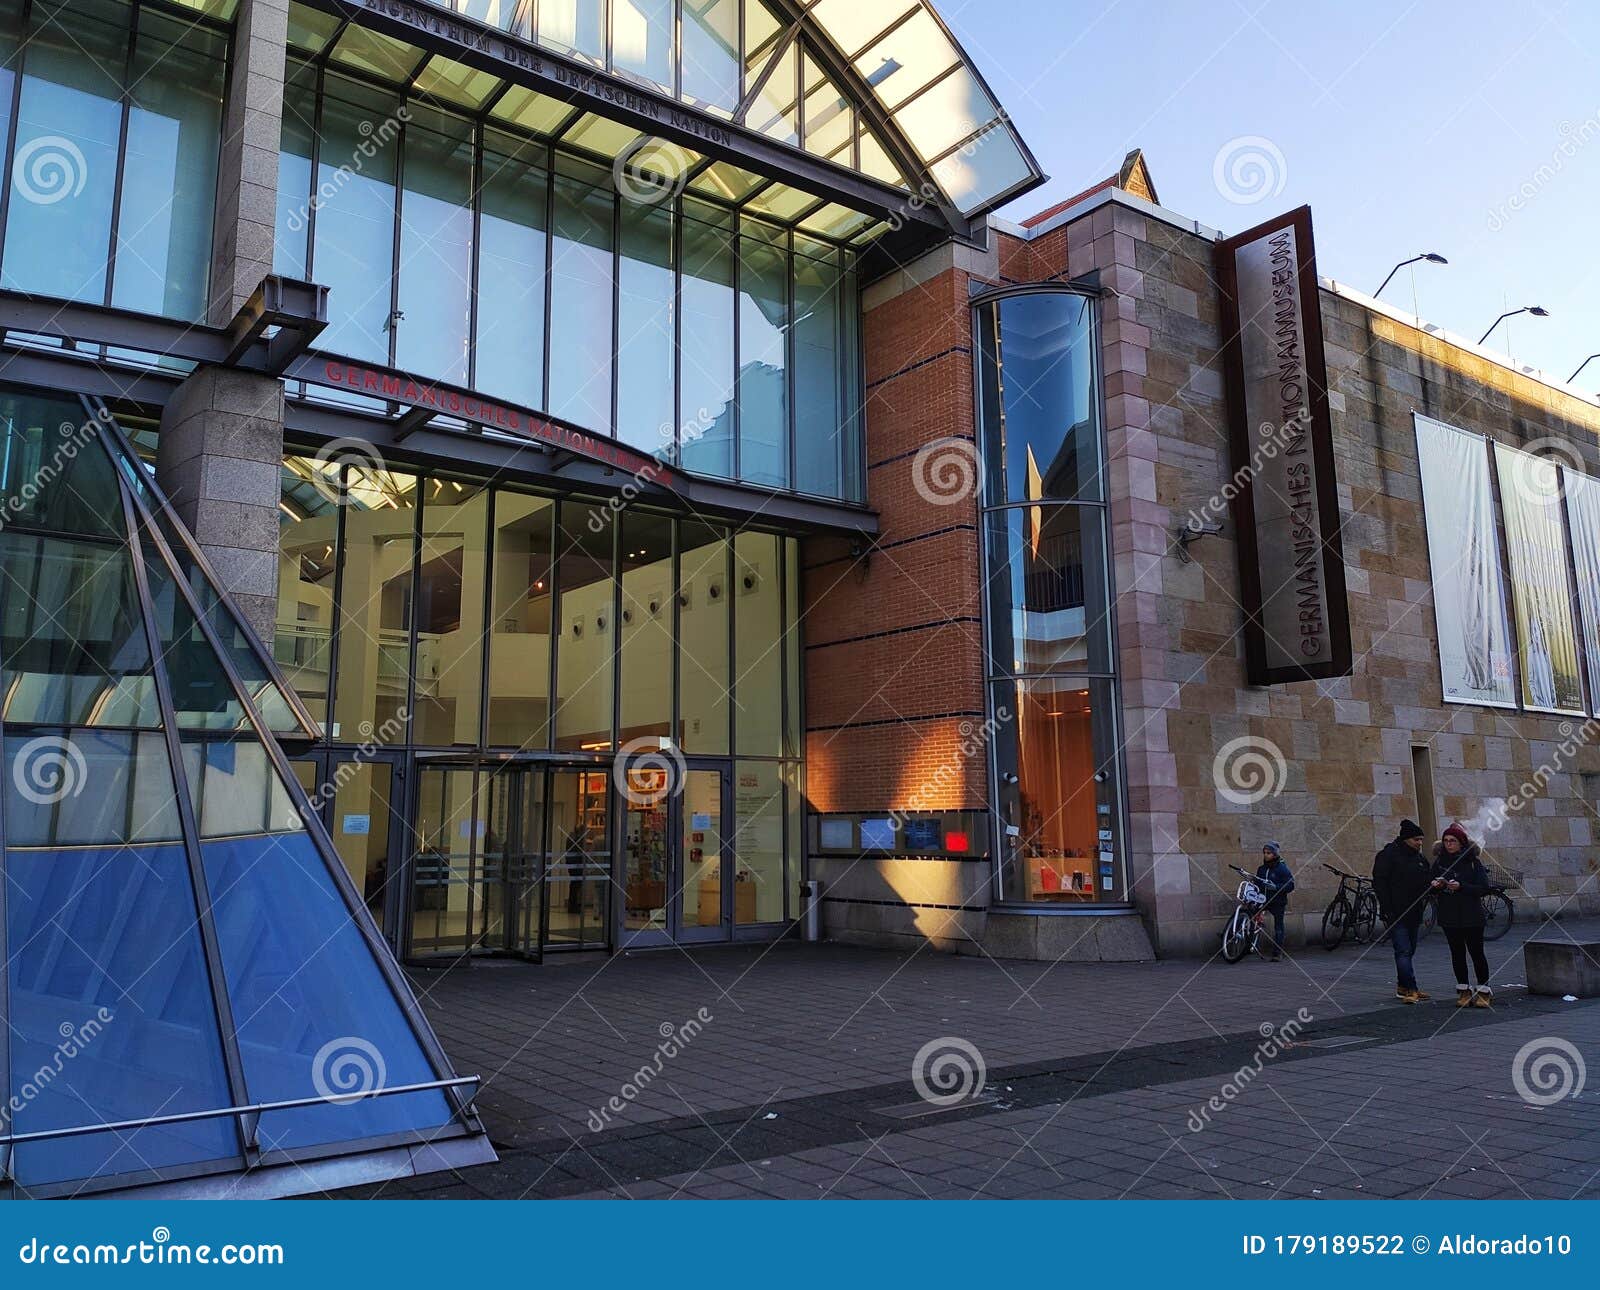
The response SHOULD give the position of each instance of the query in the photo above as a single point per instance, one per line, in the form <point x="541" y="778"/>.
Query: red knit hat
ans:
<point x="1459" y="834"/>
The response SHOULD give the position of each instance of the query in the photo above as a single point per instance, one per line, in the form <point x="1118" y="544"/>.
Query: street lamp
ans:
<point x="1581" y="366"/>
<point x="1432" y="257"/>
<point x="1538" y="311"/>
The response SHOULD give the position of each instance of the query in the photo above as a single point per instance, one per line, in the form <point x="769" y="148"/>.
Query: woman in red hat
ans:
<point x="1460" y="882"/>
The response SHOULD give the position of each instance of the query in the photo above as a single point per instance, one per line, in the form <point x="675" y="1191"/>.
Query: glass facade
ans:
<point x="467" y="252"/>
<point x="523" y="651"/>
<point x="173" y="921"/>
<point x="112" y="127"/>
<point x="1051" y="660"/>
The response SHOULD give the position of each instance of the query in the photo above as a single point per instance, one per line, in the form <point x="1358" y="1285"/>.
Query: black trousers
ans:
<point x="1465" y="941"/>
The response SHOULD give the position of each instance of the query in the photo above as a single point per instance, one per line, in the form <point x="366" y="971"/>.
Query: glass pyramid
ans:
<point x="182" y="956"/>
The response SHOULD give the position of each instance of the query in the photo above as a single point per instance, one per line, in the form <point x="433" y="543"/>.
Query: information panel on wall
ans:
<point x="1547" y="644"/>
<point x="1469" y="601"/>
<point x="1583" y="523"/>
<point x="1286" y="507"/>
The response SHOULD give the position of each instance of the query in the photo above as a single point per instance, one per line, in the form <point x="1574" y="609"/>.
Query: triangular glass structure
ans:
<point x="193" y="996"/>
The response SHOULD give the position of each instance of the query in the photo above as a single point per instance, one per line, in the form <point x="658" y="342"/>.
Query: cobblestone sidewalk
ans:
<point x="801" y="1071"/>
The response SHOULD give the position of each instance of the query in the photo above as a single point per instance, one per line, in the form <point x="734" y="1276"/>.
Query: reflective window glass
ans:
<point x="450" y="613"/>
<point x="705" y="404"/>
<point x="763" y="363"/>
<point x="758" y="641"/>
<point x="1049" y="607"/>
<point x="109" y="996"/>
<point x="703" y="609"/>
<point x="64" y="170"/>
<point x="88" y="787"/>
<point x="511" y="272"/>
<point x="580" y="305"/>
<point x="376" y="594"/>
<point x="292" y="241"/>
<point x="711" y="53"/>
<point x="54" y="474"/>
<point x="585" y="667"/>
<point x="354" y="252"/>
<point x="435" y="247"/>
<point x="72" y="635"/>
<point x="1042" y="432"/>
<point x="519" y="627"/>
<point x="577" y="26"/>
<point x="645" y="360"/>
<point x="822" y="416"/>
<point x="236" y="790"/>
<point x="202" y="696"/>
<point x="641" y="39"/>
<point x="169" y="179"/>
<point x="286" y="934"/>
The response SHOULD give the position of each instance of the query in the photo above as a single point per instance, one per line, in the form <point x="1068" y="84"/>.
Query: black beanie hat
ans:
<point x="1409" y="829"/>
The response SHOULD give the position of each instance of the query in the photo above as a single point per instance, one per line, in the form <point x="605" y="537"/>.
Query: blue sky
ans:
<point x="1469" y="128"/>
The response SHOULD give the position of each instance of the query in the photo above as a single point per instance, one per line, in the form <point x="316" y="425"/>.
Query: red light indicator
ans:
<point x="955" y="842"/>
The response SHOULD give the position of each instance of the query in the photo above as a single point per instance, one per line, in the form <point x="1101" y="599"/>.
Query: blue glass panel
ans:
<point x="110" y="1013"/>
<point x="315" y="1017"/>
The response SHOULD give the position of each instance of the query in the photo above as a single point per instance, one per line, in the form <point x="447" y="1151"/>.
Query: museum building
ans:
<point x="597" y="475"/>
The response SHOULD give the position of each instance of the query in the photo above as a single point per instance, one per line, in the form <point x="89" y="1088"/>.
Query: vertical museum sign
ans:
<point x="1285" y="503"/>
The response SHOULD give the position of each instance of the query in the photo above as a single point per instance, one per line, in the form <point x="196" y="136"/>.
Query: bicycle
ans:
<point x="1499" y="912"/>
<point x="1243" y="931"/>
<point x="1353" y="910"/>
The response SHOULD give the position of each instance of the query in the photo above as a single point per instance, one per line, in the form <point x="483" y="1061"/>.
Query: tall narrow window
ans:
<point x="641" y="39"/>
<point x="711" y="54"/>
<point x="644" y="329"/>
<point x="169" y="180"/>
<point x="581" y="304"/>
<point x="585" y="658"/>
<point x="763" y="361"/>
<point x="822" y="418"/>
<point x="511" y="271"/>
<point x="291" y="248"/>
<point x="1054" y="697"/>
<point x="435" y="247"/>
<point x="354" y="252"/>
<point x="64" y="172"/>
<point x="705" y="403"/>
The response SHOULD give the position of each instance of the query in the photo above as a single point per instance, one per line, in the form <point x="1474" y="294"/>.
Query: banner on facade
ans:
<point x="1469" y="603"/>
<point x="1285" y="497"/>
<point x="1583" y="524"/>
<point x="1547" y="641"/>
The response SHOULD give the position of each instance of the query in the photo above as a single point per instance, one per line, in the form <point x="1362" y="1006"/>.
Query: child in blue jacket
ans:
<point x="1278" y="882"/>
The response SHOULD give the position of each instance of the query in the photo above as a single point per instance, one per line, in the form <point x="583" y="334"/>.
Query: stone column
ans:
<point x="221" y="442"/>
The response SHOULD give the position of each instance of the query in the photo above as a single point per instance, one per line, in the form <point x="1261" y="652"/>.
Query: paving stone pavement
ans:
<point x="796" y="1079"/>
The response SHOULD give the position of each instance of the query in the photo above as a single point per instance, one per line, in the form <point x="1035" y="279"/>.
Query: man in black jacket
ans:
<point x="1401" y="876"/>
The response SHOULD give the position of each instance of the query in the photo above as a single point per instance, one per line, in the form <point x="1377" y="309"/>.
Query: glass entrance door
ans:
<point x="676" y="857"/>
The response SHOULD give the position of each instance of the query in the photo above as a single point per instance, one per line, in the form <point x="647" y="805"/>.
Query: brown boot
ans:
<point x="1406" y="996"/>
<point x="1483" y="999"/>
<point x="1463" y="996"/>
<point x="1417" y="996"/>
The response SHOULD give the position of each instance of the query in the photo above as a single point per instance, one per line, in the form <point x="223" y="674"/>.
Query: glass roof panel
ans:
<point x="875" y="161"/>
<point x="907" y="58"/>
<point x="508" y="15"/>
<point x="368" y="51"/>
<point x="783" y="202"/>
<point x="836" y="221"/>
<point x="830" y="122"/>
<point x="531" y="110"/>
<point x="851" y="23"/>
<point x="946" y="113"/>
<point x="454" y="83"/>
<point x="596" y="134"/>
<point x="730" y="182"/>
<point x="311" y="29"/>
<point x="575" y="27"/>
<point x="982" y="168"/>
<point x="224" y="9"/>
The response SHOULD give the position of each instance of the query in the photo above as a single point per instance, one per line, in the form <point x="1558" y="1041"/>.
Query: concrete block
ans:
<point x="1562" y="967"/>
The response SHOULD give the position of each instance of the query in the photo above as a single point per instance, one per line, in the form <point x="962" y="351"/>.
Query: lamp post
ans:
<point x="1432" y="257"/>
<point x="1538" y="311"/>
<point x="1581" y="366"/>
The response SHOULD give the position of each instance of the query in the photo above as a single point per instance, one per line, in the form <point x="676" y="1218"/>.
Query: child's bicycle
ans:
<point x="1353" y="910"/>
<point x="1243" y="931"/>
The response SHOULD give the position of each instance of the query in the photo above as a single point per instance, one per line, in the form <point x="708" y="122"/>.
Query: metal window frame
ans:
<point x="993" y="675"/>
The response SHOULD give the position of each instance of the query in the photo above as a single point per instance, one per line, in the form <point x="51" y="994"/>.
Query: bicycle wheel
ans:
<point x="1335" y="922"/>
<point x="1498" y="914"/>
<point x="1430" y="917"/>
<point x="1236" y="937"/>
<point x="1366" y="916"/>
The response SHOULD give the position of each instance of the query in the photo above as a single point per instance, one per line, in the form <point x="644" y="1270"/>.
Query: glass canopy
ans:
<point x="761" y="63"/>
<point x="185" y="962"/>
